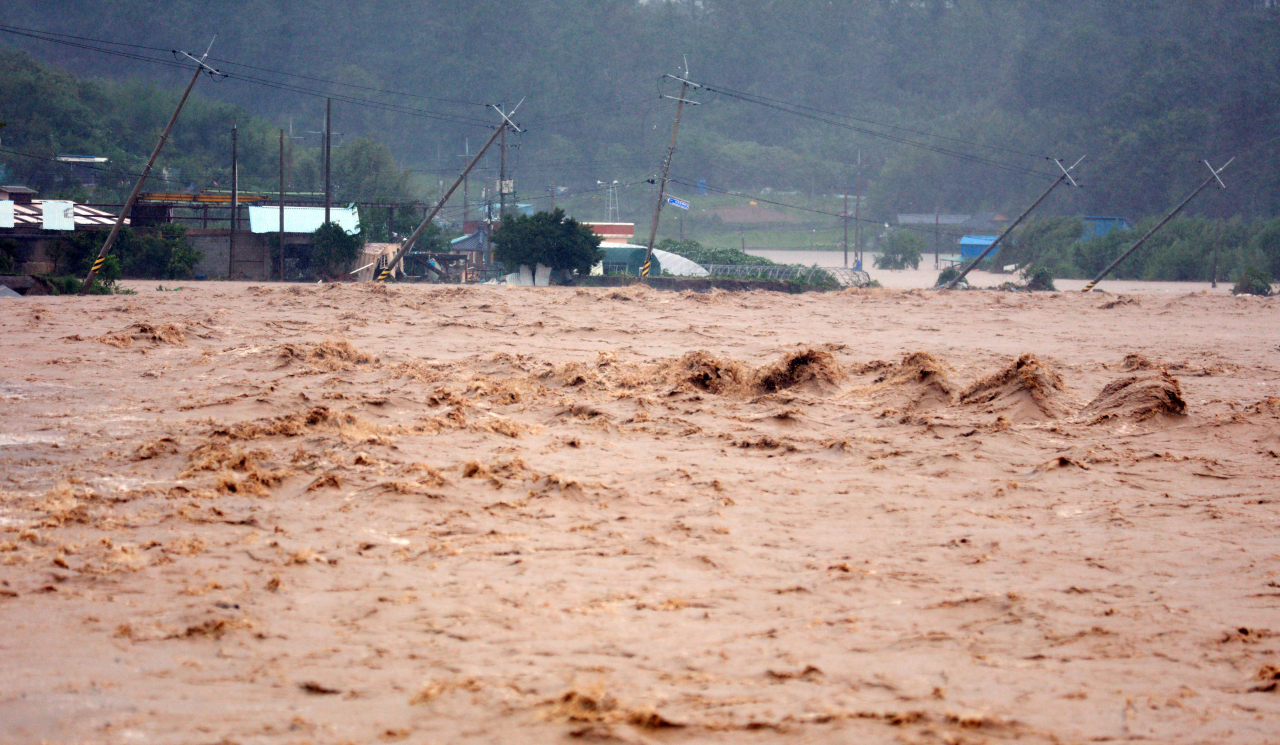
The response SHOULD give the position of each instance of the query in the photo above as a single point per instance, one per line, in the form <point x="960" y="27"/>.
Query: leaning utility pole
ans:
<point x="1066" y="176"/>
<point x="1212" y="177"/>
<point x="235" y="200"/>
<point x="137" y="188"/>
<point x="408" y="242"/>
<point x="666" y="165"/>
<point x="328" y="141"/>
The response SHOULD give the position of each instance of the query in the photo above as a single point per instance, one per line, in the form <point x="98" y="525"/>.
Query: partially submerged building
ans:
<point x="36" y="226"/>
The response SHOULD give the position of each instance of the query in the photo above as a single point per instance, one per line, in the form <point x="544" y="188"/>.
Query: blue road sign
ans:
<point x="678" y="203"/>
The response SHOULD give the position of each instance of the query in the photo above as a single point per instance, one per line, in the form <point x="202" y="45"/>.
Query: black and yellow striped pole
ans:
<point x="385" y="274"/>
<point x="137" y="188"/>
<point x="1213" y="177"/>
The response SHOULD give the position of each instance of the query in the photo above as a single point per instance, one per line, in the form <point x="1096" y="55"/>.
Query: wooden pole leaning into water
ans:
<point x="408" y="243"/>
<point x="1066" y="176"/>
<point x="1213" y="177"/>
<point x="137" y="188"/>
<point x="666" y="169"/>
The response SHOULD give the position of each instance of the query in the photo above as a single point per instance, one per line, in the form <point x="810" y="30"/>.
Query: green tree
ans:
<point x="547" y="238"/>
<point x="165" y="253"/>
<point x="1047" y="242"/>
<point x="333" y="251"/>
<point x="8" y="255"/>
<point x="1265" y="245"/>
<point x="901" y="249"/>
<point x="1253" y="281"/>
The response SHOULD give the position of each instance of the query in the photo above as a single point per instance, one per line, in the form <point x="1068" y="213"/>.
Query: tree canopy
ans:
<point x="983" y="91"/>
<point x="52" y="113"/>
<point x="547" y="238"/>
<point x="901" y="249"/>
<point x="332" y="251"/>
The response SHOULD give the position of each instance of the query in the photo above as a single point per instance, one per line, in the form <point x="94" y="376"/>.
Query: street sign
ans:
<point x="678" y="203"/>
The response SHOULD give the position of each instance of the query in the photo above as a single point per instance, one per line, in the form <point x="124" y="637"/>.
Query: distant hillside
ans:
<point x="1145" y="89"/>
<point x="48" y="112"/>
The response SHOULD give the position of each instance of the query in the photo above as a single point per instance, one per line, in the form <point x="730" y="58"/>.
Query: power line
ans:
<point x="737" y="94"/>
<point x="928" y="230"/>
<point x="116" y="171"/>
<point x="85" y="38"/>
<point x="29" y="32"/>
<point x="893" y="138"/>
<point x="615" y="108"/>
<point x="395" y="108"/>
<point x="127" y="55"/>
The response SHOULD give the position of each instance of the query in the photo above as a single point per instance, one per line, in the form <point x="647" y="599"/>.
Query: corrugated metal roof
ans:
<point x="932" y="218"/>
<point x="32" y="216"/>
<point x="302" y="219"/>
<point x="477" y="241"/>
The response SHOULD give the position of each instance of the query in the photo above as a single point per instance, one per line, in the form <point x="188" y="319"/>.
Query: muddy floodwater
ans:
<point x="421" y="514"/>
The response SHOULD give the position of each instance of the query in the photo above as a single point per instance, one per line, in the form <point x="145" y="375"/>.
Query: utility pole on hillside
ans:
<point x="466" y="184"/>
<point x="502" y="177"/>
<point x="281" y="234"/>
<point x="937" y="237"/>
<point x="680" y="100"/>
<point x="845" y="217"/>
<point x="137" y="188"/>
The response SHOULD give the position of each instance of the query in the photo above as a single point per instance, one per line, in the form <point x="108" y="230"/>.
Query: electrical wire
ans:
<point x="612" y="109"/>
<point x="350" y="85"/>
<point x="900" y="140"/>
<point x="395" y="108"/>
<point x="30" y="31"/>
<point x="735" y="93"/>
<point x="115" y="171"/>
<point x="929" y="231"/>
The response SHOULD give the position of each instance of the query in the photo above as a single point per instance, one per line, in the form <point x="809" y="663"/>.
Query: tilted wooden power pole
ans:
<point x="408" y="243"/>
<point x="685" y="85"/>
<point x="1213" y="177"/>
<point x="1066" y="176"/>
<point x="137" y="188"/>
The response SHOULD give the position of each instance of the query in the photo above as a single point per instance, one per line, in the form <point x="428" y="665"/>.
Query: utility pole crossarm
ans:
<point x="1213" y="176"/>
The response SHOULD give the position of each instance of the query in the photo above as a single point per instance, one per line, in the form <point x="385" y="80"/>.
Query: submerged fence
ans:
<point x="812" y="274"/>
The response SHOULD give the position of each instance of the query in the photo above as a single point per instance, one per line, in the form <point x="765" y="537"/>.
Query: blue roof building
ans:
<point x="971" y="246"/>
